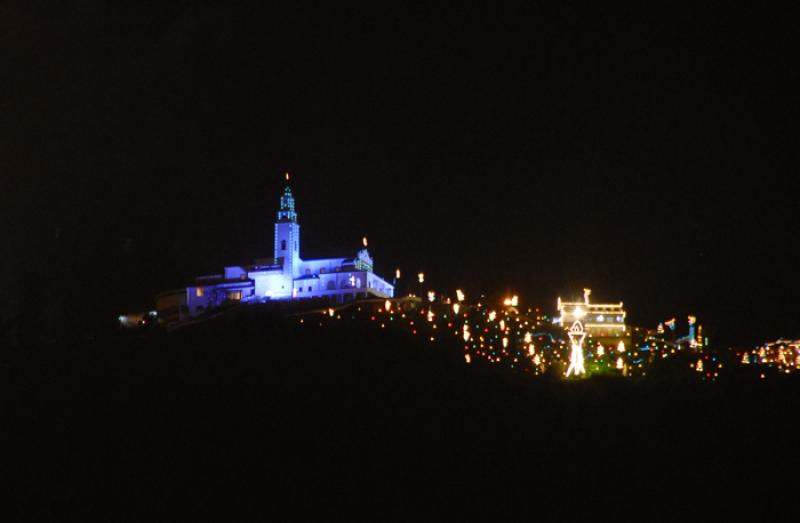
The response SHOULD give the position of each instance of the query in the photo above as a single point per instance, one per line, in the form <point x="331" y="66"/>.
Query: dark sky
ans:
<point x="649" y="155"/>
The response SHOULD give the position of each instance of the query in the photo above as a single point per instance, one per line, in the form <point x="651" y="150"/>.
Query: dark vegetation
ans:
<point x="253" y="413"/>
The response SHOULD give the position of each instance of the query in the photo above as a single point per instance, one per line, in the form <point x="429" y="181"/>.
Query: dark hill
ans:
<point x="256" y="413"/>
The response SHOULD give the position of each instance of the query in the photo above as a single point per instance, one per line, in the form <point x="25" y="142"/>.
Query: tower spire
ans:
<point x="287" y="213"/>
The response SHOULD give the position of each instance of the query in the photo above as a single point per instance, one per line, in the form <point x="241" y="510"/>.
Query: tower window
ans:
<point x="283" y="245"/>
<point x="199" y="292"/>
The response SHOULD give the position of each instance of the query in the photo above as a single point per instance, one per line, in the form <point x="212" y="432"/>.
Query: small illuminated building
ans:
<point x="600" y="320"/>
<point x="285" y="276"/>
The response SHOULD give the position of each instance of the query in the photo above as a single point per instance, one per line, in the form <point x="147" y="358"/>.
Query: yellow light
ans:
<point x="505" y="342"/>
<point x="492" y="315"/>
<point x="459" y="295"/>
<point x="387" y="305"/>
<point x="511" y="302"/>
<point x="287" y="176"/>
<point x="600" y="349"/>
<point x="467" y="358"/>
<point x="621" y="347"/>
<point x="619" y="362"/>
<point x="578" y="312"/>
<point x="456" y="308"/>
<point x="421" y="277"/>
<point x="528" y="337"/>
<point x="397" y="273"/>
<point x="466" y="333"/>
<point x="531" y="349"/>
<point x="537" y="360"/>
<point x="330" y="312"/>
<point x="364" y="241"/>
<point x="502" y="325"/>
<point x="430" y="315"/>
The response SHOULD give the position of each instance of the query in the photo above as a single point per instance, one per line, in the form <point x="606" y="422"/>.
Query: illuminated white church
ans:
<point x="285" y="276"/>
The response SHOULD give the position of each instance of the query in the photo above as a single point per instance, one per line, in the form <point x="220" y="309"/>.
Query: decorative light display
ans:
<point x="431" y="296"/>
<point x="421" y="277"/>
<point x="513" y="301"/>
<point x="459" y="295"/>
<point x="576" y="336"/>
<point x="532" y="343"/>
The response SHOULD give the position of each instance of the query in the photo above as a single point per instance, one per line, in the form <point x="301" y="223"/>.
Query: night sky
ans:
<point x="651" y="156"/>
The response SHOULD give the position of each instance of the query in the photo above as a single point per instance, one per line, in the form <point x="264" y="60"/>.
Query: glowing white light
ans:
<point x="467" y="335"/>
<point x="620" y="364"/>
<point x="578" y="313"/>
<point x="601" y="318"/>
<point x="421" y="277"/>
<point x="397" y="273"/>
<point x="430" y="315"/>
<point x="531" y="350"/>
<point x="505" y="342"/>
<point x="387" y="305"/>
<point x="528" y="337"/>
<point x="621" y="346"/>
<point x="492" y="315"/>
<point x="511" y="302"/>
<point x="330" y="312"/>
<point x="576" y="337"/>
<point x="459" y="295"/>
<point x="537" y="360"/>
<point x="600" y="349"/>
<point x="431" y="296"/>
<point x="287" y="176"/>
<point x="502" y="325"/>
<point x="467" y="358"/>
<point x="456" y="308"/>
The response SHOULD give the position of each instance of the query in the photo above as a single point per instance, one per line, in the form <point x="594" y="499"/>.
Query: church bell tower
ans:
<point x="287" y="234"/>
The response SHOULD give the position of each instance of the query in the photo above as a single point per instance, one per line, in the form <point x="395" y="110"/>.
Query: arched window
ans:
<point x="331" y="285"/>
<point x="283" y="245"/>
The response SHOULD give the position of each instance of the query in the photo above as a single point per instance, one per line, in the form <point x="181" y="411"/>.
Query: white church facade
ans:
<point x="285" y="276"/>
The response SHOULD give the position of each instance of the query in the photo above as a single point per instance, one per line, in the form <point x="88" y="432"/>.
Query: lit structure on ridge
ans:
<point x="600" y="320"/>
<point x="285" y="276"/>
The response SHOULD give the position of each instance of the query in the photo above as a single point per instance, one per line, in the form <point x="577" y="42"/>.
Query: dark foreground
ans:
<point x="253" y="415"/>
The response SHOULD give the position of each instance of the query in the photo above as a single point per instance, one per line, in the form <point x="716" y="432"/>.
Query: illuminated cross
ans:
<point x="576" y="337"/>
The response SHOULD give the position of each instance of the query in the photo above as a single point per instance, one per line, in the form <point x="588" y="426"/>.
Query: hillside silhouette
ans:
<point x="257" y="413"/>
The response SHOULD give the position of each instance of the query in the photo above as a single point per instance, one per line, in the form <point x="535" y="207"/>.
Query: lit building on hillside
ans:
<point x="601" y="320"/>
<point x="285" y="276"/>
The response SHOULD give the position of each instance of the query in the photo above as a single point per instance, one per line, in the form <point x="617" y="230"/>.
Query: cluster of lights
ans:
<point x="782" y="355"/>
<point x="525" y="340"/>
<point x="530" y="341"/>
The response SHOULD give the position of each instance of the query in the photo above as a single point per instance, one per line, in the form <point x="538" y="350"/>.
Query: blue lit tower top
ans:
<point x="287" y="234"/>
<point x="287" y="213"/>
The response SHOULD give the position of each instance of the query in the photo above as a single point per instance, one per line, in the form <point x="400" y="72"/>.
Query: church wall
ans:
<point x="272" y="284"/>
